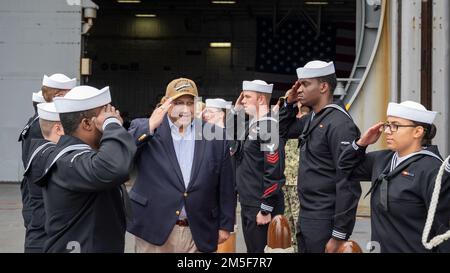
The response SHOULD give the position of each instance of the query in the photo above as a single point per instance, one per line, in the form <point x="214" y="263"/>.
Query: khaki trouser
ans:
<point x="179" y="241"/>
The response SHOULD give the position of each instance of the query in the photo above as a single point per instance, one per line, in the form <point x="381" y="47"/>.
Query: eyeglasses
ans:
<point x="394" y="127"/>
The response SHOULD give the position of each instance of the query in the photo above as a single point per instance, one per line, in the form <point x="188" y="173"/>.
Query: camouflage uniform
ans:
<point x="291" y="201"/>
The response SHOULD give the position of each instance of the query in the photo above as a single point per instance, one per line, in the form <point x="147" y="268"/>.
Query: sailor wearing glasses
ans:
<point x="215" y="111"/>
<point x="402" y="178"/>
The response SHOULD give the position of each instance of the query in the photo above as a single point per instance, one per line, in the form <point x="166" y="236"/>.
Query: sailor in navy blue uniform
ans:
<point x="259" y="159"/>
<point x="215" y="111"/>
<point x="30" y="131"/>
<point x="328" y="201"/>
<point x="86" y="203"/>
<point x="40" y="150"/>
<point x="55" y="85"/>
<point x="403" y="179"/>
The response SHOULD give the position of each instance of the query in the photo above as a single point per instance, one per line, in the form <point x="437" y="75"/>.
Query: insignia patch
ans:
<point x="271" y="147"/>
<point x="272" y="158"/>
<point x="270" y="190"/>
<point x="406" y="173"/>
<point x="179" y="86"/>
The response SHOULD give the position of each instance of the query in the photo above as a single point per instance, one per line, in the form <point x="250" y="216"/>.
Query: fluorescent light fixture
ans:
<point x="224" y="2"/>
<point x="316" y="3"/>
<point x="129" y="1"/>
<point x="220" y="44"/>
<point x="142" y="15"/>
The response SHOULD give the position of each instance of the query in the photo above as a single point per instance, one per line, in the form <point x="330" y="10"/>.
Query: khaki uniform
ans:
<point x="290" y="188"/>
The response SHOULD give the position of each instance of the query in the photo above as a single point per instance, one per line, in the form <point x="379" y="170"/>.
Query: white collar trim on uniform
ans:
<point x="396" y="160"/>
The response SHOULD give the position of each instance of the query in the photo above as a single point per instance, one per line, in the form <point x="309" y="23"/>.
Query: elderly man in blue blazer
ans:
<point x="183" y="199"/>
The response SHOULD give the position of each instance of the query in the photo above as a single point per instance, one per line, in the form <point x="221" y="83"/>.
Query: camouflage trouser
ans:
<point x="291" y="210"/>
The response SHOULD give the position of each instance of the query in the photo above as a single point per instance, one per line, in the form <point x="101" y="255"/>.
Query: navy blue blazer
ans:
<point x="159" y="193"/>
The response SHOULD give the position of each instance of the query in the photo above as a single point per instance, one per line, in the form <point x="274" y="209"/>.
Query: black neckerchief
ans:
<point x="384" y="178"/>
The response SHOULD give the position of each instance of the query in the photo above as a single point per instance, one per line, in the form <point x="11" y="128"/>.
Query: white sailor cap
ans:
<point x="412" y="111"/>
<point x="218" y="103"/>
<point x="82" y="98"/>
<point x="258" y="86"/>
<point x="315" y="69"/>
<point x="59" y="81"/>
<point x="37" y="97"/>
<point x="47" y="111"/>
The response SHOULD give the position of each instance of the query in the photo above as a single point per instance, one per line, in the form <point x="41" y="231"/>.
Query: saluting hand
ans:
<point x="238" y="105"/>
<point x="158" y="114"/>
<point x="371" y="135"/>
<point x="291" y="94"/>
<point x="107" y="111"/>
<point x="276" y="108"/>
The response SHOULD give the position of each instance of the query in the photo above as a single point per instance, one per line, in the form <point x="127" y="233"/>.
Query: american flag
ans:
<point x="296" y="43"/>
